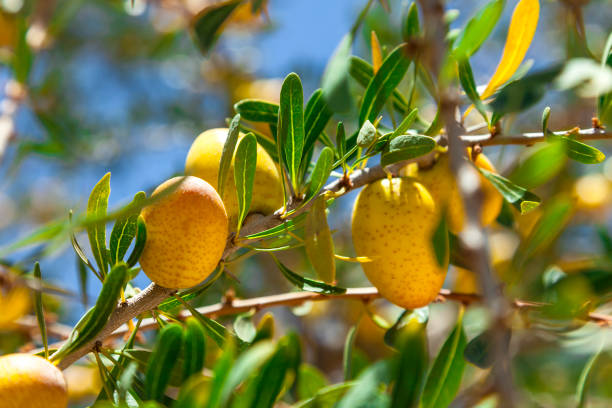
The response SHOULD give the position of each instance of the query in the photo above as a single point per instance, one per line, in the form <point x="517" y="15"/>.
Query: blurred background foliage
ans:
<point x="90" y="86"/>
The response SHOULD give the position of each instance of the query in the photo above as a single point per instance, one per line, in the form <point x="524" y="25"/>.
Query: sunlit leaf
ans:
<point x="123" y="233"/>
<point x="478" y="28"/>
<point x="227" y="155"/>
<point x="335" y="84"/>
<point x="244" y="175"/>
<point x="96" y="207"/>
<point x="383" y="83"/>
<point x="257" y="110"/>
<point x="308" y="284"/>
<point x="291" y="125"/>
<point x="522" y="199"/>
<point x="405" y="147"/>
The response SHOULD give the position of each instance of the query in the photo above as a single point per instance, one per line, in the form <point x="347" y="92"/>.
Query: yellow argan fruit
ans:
<point x="31" y="381"/>
<point x="82" y="381"/>
<point x="465" y="281"/>
<point x="203" y="162"/>
<point x="186" y="233"/>
<point x="14" y="304"/>
<point x="393" y="224"/>
<point x="440" y="181"/>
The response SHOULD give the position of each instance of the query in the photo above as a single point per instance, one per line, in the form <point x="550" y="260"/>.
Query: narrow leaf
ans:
<point x="367" y="387"/>
<point x="40" y="313"/>
<point x="383" y="83"/>
<point x="520" y="34"/>
<point x="141" y="240"/>
<point x="582" y="152"/>
<point x="319" y="243"/>
<point x="227" y="154"/>
<point x="411" y="365"/>
<point x="291" y="125"/>
<point x="585" y="378"/>
<point x="335" y="84"/>
<point x="124" y="232"/>
<point x="347" y="356"/>
<point x="444" y="378"/>
<point x="406" y="147"/>
<point x="244" y="175"/>
<point x="466" y="77"/>
<point x="410" y="25"/>
<point x="95" y="319"/>
<point x="162" y="361"/>
<point x="406" y="122"/>
<point x="522" y="199"/>
<point x="316" y="116"/>
<point x="377" y="56"/>
<point x="257" y="110"/>
<point x="478" y="28"/>
<point x="307" y="284"/>
<point x="206" y="24"/>
<point x="96" y="207"/>
<point x="541" y="166"/>
<point x="320" y="173"/>
<point x="194" y="348"/>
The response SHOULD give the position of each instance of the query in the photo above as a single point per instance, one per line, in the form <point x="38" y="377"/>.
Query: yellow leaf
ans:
<point x="360" y="259"/>
<point x="520" y="35"/>
<point x="376" y="52"/>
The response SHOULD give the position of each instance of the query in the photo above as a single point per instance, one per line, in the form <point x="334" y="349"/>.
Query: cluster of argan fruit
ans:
<point x="393" y="222"/>
<point x="187" y="230"/>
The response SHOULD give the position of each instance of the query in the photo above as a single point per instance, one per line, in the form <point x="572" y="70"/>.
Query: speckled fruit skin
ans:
<point x="186" y="234"/>
<point x="393" y="224"/>
<point x="203" y="161"/>
<point x="31" y="381"/>
<point x="440" y="181"/>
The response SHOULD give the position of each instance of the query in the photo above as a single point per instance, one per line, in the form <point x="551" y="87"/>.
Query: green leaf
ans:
<point x="520" y="198"/>
<point x="478" y="351"/>
<point x="326" y="397"/>
<point x="478" y="29"/>
<point x="227" y="154"/>
<point x="541" y="166"/>
<point x="444" y="378"/>
<point x="194" y="348"/>
<point x="24" y="57"/>
<point x="221" y="372"/>
<point x="466" y="77"/>
<point x="362" y="71"/>
<point x="410" y="25"/>
<point x="269" y="145"/>
<point x="246" y="364"/>
<point x="308" y="284"/>
<point x="95" y="319"/>
<point x="405" y="147"/>
<point x="319" y="243"/>
<point x="40" y="314"/>
<point x="40" y="235"/>
<point x="440" y="241"/>
<point x="257" y="110"/>
<point x="96" y="207"/>
<point x="288" y="225"/>
<point x="341" y="140"/>
<point x="383" y="83"/>
<point x="291" y="125"/>
<point x="310" y="381"/>
<point x="335" y="84"/>
<point x="162" y="361"/>
<point x="523" y="93"/>
<point x="244" y="175"/>
<point x="347" y="356"/>
<point x="141" y="240"/>
<point x="320" y="173"/>
<point x="366" y="135"/>
<point x="367" y="387"/>
<point x="554" y="218"/>
<point x="585" y="380"/>
<point x="316" y="116"/>
<point x="582" y="153"/>
<point x="406" y="122"/>
<point x="82" y="282"/>
<point x="124" y="232"/>
<point x="206" y="24"/>
<point x="244" y="327"/>
<point x="411" y="365"/>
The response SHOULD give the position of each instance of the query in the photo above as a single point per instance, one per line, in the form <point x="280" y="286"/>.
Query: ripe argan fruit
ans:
<point x="393" y="224"/>
<point x="186" y="233"/>
<point x="440" y="181"/>
<point x="203" y="161"/>
<point x="31" y="381"/>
